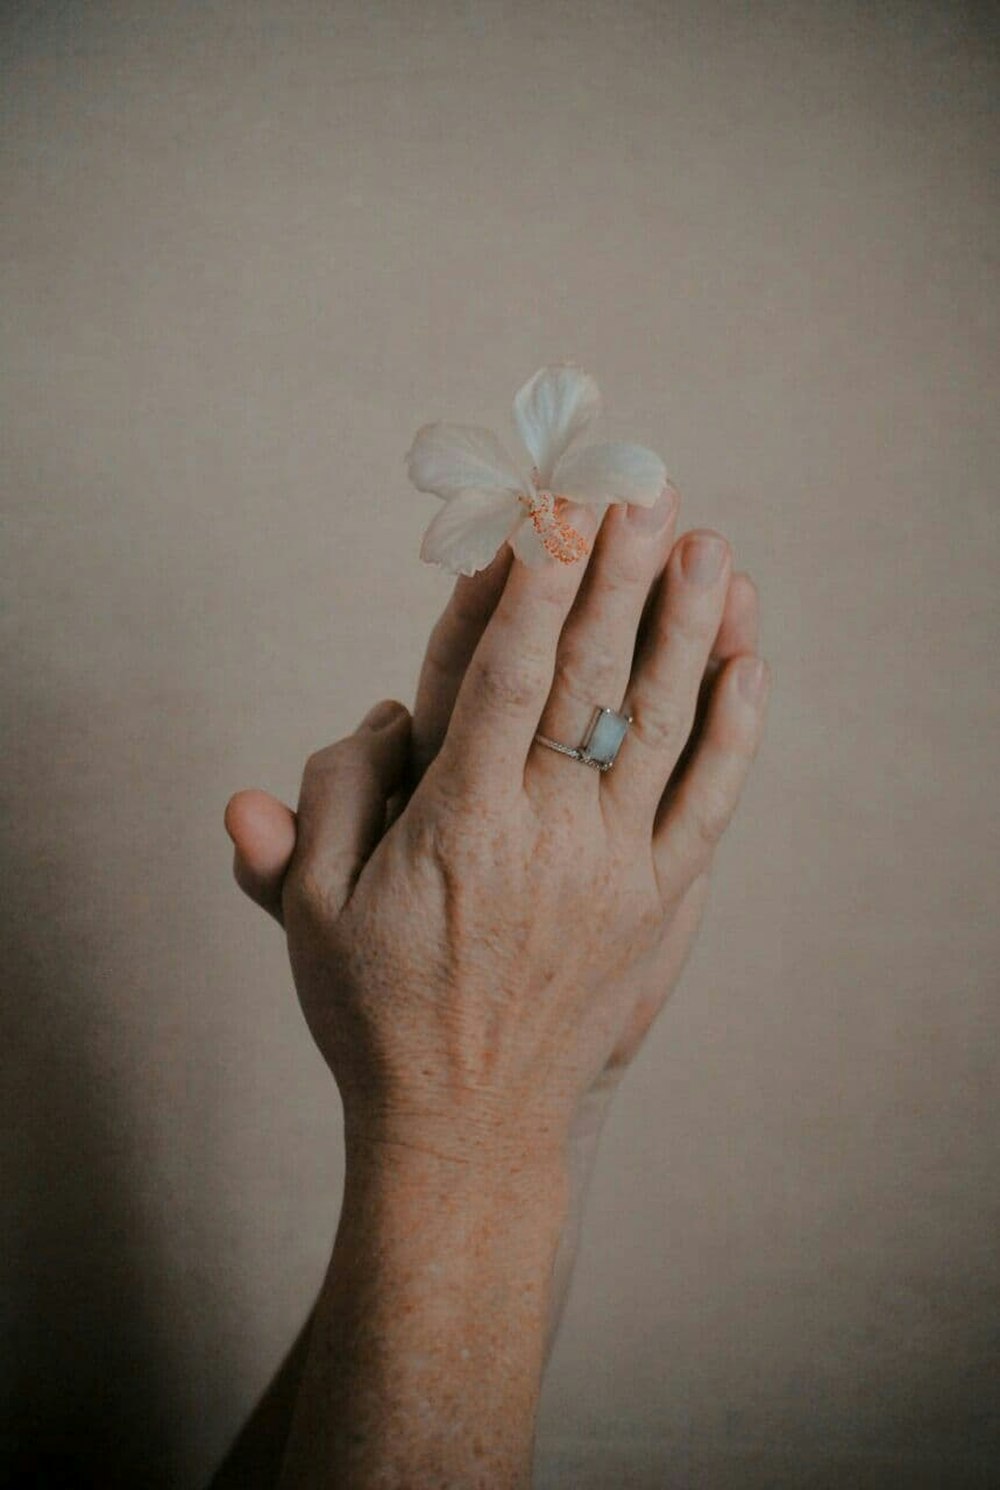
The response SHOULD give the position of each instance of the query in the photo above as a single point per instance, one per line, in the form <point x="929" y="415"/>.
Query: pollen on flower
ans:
<point x="559" y="538"/>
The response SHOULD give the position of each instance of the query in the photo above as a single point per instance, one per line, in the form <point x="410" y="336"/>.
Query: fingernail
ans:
<point x="382" y="714"/>
<point x="651" y="519"/>
<point x="702" y="559"/>
<point x="751" y="676"/>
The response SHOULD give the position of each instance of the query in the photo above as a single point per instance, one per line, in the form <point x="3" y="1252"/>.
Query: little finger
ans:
<point x="692" y="821"/>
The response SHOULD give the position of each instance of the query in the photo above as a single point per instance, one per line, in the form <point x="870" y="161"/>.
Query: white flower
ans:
<point x="487" y="500"/>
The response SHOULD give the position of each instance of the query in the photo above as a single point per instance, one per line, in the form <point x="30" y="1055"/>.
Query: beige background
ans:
<point x="250" y="248"/>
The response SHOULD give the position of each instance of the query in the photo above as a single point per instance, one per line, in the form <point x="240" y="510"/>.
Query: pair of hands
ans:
<point x="482" y="931"/>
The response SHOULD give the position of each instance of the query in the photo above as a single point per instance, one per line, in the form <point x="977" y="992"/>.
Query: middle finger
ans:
<point x="595" y="652"/>
<point x="663" y="690"/>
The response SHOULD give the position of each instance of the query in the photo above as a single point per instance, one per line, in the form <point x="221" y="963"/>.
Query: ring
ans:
<point x="600" y="744"/>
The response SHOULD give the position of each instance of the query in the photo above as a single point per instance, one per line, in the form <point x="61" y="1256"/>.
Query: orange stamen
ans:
<point x="559" y="538"/>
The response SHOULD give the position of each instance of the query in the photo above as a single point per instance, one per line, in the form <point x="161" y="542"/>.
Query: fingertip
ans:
<point x="262" y="829"/>
<point x="389" y="711"/>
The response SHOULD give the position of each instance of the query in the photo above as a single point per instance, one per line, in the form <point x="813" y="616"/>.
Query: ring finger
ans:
<point x="663" y="691"/>
<point x="263" y="828"/>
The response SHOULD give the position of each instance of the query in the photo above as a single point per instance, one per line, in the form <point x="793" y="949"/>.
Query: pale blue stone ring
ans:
<point x="601" y="743"/>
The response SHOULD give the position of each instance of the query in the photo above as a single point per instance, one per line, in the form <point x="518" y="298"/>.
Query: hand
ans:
<point x="667" y="878"/>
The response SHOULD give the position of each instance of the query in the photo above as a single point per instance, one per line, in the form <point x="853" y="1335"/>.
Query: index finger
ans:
<point x="503" y="693"/>
<point x="450" y="648"/>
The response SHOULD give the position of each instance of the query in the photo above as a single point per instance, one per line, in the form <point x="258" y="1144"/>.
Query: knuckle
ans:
<point x="712" y="814"/>
<point x="454" y="839"/>
<point x="691" y="860"/>
<point x="440" y="654"/>
<point x="469" y="606"/>
<point x="321" y="760"/>
<point x="313" y="764"/>
<point x="457" y="838"/>
<point x="451" y="632"/>
<point x="667" y="728"/>
<point x="549" y="587"/>
<point x="308" y="892"/>
<point x="624" y="568"/>
<point x="455" y="800"/>
<point x="584" y="676"/>
<point x="689" y="624"/>
<point x="508" y="686"/>
<point x="678" y="870"/>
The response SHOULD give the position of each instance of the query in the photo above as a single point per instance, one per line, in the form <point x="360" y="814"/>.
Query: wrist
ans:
<point x="525" y="1188"/>
<point x="504" y="1149"/>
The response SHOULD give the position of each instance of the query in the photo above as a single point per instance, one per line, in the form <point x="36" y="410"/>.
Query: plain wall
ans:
<point x="249" y="249"/>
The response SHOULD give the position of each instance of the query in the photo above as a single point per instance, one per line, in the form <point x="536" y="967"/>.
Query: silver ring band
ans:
<point x="600" y="745"/>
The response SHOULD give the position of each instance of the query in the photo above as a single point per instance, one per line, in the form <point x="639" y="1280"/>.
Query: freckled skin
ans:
<point x="478" y="976"/>
<point x="466" y="998"/>
<point x="533" y="922"/>
<point x="470" y="1329"/>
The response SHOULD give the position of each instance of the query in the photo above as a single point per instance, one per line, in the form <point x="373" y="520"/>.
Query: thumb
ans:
<point x="263" y="832"/>
<point x="342" y="802"/>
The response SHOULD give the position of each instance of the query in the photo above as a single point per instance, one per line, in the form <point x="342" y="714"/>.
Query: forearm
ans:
<point x="428" y="1340"/>
<point x="256" y="1455"/>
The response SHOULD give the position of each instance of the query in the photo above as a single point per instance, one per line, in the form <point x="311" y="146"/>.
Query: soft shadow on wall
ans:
<point x="88" y="1392"/>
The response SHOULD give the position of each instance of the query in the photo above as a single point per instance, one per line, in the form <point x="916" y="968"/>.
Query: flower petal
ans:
<point x="615" y="472"/>
<point x="450" y="458"/>
<point x="469" y="530"/>
<point x="551" y="409"/>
